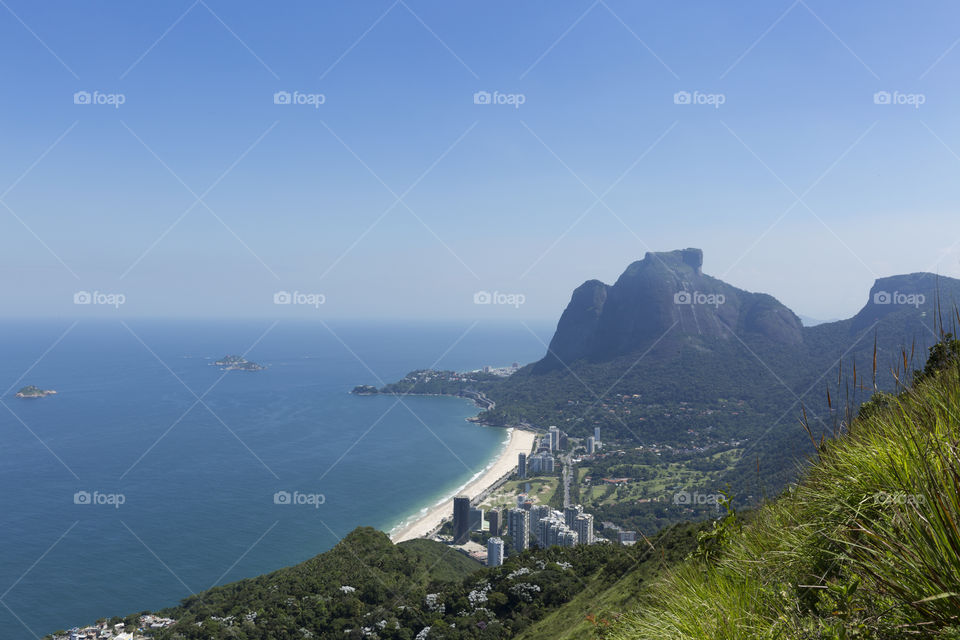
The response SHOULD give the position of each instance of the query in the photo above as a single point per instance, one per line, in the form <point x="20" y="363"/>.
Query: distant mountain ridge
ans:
<point x="666" y="298"/>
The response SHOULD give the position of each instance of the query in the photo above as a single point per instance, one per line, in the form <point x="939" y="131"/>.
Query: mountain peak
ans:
<point x="690" y="257"/>
<point x="665" y="293"/>
<point x="905" y="293"/>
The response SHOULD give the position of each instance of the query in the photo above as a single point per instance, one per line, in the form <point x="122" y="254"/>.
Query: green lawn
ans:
<point x="661" y="481"/>
<point x="506" y="496"/>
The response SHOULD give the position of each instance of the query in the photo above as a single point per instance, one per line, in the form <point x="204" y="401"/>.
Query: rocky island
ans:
<point x="237" y="363"/>
<point x="31" y="391"/>
<point x="365" y="390"/>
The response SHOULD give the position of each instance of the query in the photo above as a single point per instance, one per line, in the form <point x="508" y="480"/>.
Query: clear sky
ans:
<point x="205" y="193"/>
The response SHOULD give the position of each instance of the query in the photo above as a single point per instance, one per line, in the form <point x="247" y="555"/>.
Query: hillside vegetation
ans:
<point x="867" y="545"/>
<point x="368" y="587"/>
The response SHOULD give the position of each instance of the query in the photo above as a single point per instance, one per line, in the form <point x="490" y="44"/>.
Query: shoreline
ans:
<point x="519" y="441"/>
<point x="479" y="400"/>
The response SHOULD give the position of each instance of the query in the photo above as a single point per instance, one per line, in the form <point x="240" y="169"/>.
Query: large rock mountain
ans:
<point x="665" y="303"/>
<point x="664" y="297"/>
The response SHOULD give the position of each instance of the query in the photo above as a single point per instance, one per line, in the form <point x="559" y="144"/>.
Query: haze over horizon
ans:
<point x="821" y="156"/>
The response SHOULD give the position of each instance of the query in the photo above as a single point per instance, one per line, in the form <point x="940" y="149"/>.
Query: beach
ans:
<point x="520" y="441"/>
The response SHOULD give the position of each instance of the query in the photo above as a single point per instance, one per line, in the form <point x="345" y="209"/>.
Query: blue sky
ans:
<point x="399" y="196"/>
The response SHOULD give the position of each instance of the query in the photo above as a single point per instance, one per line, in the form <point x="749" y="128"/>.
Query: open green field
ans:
<point x="541" y="490"/>
<point x="655" y="482"/>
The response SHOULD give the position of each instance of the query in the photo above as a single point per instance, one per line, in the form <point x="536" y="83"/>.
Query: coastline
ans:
<point x="519" y="441"/>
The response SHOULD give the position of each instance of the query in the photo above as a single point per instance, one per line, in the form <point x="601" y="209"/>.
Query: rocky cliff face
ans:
<point x="663" y="299"/>
<point x="906" y="294"/>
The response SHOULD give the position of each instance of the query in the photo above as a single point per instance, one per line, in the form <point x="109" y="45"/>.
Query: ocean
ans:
<point x="151" y="474"/>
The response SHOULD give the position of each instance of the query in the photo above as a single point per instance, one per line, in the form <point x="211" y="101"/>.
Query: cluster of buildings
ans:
<point x="567" y="528"/>
<point x="593" y="442"/>
<point x="553" y="441"/>
<point x="528" y="523"/>
<point x="105" y="631"/>
<point x="502" y="371"/>
<point x="545" y="527"/>
<point x="542" y="462"/>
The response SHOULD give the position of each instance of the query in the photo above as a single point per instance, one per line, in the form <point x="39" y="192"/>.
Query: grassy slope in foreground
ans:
<point x="604" y="595"/>
<point x="867" y="545"/>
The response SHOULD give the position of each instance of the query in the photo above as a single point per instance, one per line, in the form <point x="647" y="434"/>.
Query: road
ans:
<point x="567" y="477"/>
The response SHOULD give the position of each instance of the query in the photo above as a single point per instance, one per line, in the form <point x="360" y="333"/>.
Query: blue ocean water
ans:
<point x="196" y="456"/>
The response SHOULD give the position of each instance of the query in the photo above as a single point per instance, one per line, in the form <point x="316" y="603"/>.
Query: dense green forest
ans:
<point x="368" y="587"/>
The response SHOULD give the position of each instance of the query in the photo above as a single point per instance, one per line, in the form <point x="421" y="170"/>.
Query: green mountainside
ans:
<point x="866" y="545"/>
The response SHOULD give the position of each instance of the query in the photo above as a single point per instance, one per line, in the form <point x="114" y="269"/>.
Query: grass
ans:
<point x="665" y="480"/>
<point x="867" y="545"/>
<point x="542" y="488"/>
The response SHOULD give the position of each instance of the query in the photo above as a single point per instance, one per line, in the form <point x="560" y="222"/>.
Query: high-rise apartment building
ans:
<point x="494" y="552"/>
<point x="461" y="519"/>
<point x="518" y="526"/>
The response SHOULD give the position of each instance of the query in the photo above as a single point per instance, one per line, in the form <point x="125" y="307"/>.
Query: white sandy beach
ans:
<point x="520" y="442"/>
